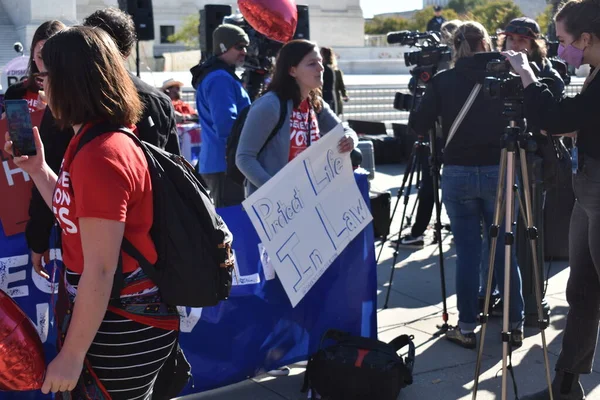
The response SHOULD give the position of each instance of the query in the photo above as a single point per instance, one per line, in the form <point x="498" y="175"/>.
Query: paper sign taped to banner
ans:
<point x="308" y="213"/>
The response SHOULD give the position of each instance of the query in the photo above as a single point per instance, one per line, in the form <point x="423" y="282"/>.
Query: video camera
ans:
<point x="260" y="55"/>
<point x="426" y="61"/>
<point x="431" y="52"/>
<point x="501" y="83"/>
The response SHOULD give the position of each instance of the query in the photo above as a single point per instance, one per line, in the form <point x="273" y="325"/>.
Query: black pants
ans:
<point x="583" y="288"/>
<point x="223" y="190"/>
<point x="426" y="200"/>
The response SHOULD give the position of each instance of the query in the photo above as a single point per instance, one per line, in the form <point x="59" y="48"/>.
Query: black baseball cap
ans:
<point x="437" y="8"/>
<point x="523" y="26"/>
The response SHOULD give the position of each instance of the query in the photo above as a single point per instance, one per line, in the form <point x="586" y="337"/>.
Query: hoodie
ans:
<point x="220" y="97"/>
<point x="478" y="139"/>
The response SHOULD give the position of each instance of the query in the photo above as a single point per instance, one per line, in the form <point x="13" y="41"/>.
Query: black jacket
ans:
<point x="477" y="141"/>
<point x="568" y="114"/>
<point x="157" y="127"/>
<point x="434" y="25"/>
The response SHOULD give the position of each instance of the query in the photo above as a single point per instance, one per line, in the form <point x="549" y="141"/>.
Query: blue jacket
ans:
<point x="220" y="97"/>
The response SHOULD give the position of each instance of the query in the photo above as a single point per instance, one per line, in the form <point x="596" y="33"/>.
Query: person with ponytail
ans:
<point x="470" y="176"/>
<point x="578" y="31"/>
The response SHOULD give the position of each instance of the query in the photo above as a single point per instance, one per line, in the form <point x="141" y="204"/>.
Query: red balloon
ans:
<point x="22" y="364"/>
<point x="276" y="19"/>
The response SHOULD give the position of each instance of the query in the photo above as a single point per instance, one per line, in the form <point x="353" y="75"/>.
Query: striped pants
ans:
<point x="126" y="356"/>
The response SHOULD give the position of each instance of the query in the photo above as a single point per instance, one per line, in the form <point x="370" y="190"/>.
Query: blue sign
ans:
<point x="256" y="329"/>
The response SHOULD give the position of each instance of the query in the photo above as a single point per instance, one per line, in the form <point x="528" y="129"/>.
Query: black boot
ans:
<point x="565" y="386"/>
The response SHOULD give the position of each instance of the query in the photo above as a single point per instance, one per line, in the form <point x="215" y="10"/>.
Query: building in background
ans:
<point x="336" y="23"/>
<point x="429" y="3"/>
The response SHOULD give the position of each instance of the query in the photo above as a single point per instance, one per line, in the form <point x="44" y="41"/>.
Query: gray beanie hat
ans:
<point x="226" y="36"/>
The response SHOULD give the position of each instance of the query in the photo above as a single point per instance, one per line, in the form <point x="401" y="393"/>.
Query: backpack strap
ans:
<point x="397" y="344"/>
<point x="89" y="135"/>
<point x="463" y="112"/>
<point x="282" y="114"/>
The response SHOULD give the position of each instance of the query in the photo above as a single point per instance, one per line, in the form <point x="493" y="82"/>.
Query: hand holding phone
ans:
<point x="20" y="128"/>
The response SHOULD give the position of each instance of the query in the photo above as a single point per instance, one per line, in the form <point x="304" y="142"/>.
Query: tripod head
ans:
<point x="515" y="137"/>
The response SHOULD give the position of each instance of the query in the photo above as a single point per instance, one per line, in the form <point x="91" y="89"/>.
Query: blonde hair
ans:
<point x="467" y="38"/>
<point x="448" y="29"/>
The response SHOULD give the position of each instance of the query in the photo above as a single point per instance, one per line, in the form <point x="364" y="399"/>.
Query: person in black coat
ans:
<point x="435" y="23"/>
<point x="470" y="175"/>
<point x="579" y="35"/>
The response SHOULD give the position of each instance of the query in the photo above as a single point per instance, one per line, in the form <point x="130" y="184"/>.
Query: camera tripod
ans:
<point x="514" y="145"/>
<point x="421" y="152"/>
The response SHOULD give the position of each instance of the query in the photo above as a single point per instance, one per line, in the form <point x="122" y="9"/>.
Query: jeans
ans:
<point x="469" y="194"/>
<point x="583" y="287"/>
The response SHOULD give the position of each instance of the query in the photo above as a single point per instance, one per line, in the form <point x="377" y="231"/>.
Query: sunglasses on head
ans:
<point x="520" y="30"/>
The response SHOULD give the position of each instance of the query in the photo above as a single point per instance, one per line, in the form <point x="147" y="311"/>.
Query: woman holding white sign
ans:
<point x="297" y="81"/>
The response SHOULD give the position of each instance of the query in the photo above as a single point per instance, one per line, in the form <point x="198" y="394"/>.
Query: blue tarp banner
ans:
<point x="256" y="329"/>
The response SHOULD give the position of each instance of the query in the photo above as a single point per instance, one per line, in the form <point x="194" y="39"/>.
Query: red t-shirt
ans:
<point x="33" y="101"/>
<point x="302" y="120"/>
<point x="108" y="179"/>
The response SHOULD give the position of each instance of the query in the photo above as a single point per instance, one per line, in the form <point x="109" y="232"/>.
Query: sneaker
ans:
<point x="283" y="371"/>
<point x="466" y="340"/>
<point x="516" y="338"/>
<point x="411" y="242"/>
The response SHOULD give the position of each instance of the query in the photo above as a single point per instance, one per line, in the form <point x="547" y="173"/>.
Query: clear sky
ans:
<point x="371" y="7"/>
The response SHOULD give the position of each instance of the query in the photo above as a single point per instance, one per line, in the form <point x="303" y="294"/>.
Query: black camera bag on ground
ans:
<point x="359" y="368"/>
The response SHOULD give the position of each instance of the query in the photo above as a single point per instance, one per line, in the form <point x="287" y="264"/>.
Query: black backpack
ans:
<point x="193" y="243"/>
<point x="233" y="140"/>
<point x="359" y="368"/>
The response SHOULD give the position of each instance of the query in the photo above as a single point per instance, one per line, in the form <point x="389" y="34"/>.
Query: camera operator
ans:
<point x="579" y="34"/>
<point x="523" y="35"/>
<point x="471" y="173"/>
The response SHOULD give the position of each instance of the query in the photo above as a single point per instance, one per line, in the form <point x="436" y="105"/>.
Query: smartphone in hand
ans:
<point x="20" y="128"/>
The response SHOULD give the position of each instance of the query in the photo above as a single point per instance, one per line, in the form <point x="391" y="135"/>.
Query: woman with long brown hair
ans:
<point x="102" y="195"/>
<point x="297" y="78"/>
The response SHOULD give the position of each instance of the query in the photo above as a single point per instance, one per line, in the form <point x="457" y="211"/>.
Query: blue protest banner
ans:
<point x="256" y="329"/>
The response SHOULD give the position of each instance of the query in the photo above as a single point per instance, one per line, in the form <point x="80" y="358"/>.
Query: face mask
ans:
<point x="571" y="54"/>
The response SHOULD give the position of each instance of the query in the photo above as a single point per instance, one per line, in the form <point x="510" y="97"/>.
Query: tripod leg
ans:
<point x="419" y="169"/>
<point x="533" y="235"/>
<point x="438" y="231"/>
<point x="509" y="242"/>
<point x="406" y="197"/>
<point x="493" y="236"/>
<point x="407" y="173"/>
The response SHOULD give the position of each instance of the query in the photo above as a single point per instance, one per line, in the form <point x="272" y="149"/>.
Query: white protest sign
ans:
<point x="308" y="213"/>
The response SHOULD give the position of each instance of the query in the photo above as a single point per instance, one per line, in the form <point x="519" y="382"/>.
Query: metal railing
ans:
<point x="374" y="104"/>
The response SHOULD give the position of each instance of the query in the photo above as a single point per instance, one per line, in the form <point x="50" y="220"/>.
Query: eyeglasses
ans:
<point x="520" y="30"/>
<point x="41" y="75"/>
<point x="240" y="47"/>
